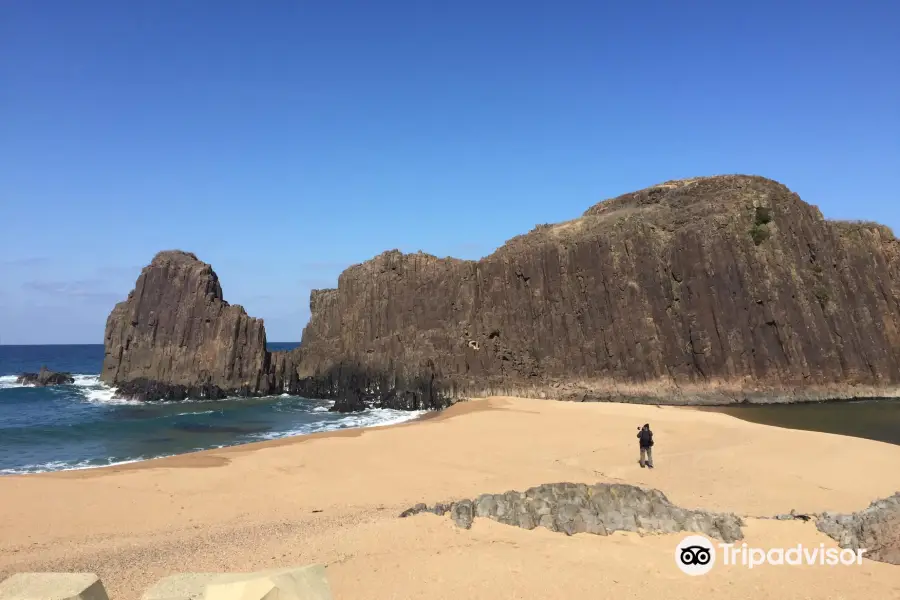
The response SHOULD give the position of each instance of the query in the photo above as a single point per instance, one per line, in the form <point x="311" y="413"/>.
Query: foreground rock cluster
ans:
<point x="600" y="509"/>
<point x="876" y="528"/>
<point x="700" y="291"/>
<point x="603" y="508"/>
<point x="301" y="583"/>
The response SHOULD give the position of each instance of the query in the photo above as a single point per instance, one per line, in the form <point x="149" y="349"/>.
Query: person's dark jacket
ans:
<point x="646" y="438"/>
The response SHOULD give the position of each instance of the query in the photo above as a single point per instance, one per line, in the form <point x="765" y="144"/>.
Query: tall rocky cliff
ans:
<point x="706" y="290"/>
<point x="175" y="336"/>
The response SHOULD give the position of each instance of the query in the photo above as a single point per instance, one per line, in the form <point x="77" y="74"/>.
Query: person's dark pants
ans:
<point x="646" y="456"/>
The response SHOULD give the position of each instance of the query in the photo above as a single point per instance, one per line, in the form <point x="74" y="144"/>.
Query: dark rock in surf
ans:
<point x="149" y="390"/>
<point x="355" y="388"/>
<point x="45" y="378"/>
<point x="351" y="402"/>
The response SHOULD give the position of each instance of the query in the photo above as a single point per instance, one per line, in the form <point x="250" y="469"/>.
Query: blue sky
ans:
<point x="282" y="141"/>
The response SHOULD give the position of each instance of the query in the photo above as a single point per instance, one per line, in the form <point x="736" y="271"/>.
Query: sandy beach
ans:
<point x="335" y="498"/>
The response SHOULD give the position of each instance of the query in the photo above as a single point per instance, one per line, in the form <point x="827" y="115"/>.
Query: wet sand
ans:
<point x="334" y="498"/>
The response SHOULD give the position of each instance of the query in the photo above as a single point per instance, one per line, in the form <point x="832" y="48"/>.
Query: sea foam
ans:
<point x="96" y="392"/>
<point x="375" y="417"/>
<point x="9" y="382"/>
<point x="61" y="465"/>
<point x="89" y="386"/>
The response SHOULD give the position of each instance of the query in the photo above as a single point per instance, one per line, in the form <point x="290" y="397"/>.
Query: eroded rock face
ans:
<point x="45" y="378"/>
<point x="876" y="528"/>
<point x="704" y="291"/>
<point x="579" y="508"/>
<point x="355" y="387"/>
<point x="176" y="336"/>
<point x="712" y="290"/>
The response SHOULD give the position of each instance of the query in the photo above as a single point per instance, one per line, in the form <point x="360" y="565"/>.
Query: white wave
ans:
<point x="9" y="382"/>
<point x="107" y="395"/>
<point x="86" y="380"/>
<point x="323" y="407"/>
<point x="95" y="391"/>
<point x="61" y="465"/>
<point x="202" y="412"/>
<point x="81" y="381"/>
<point x="89" y="386"/>
<point x="379" y="417"/>
<point x="376" y="417"/>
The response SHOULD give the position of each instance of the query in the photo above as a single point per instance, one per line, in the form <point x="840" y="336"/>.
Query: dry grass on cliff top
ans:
<point x="334" y="499"/>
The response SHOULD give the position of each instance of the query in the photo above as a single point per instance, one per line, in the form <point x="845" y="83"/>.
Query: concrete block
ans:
<point x="292" y="583"/>
<point x="53" y="586"/>
<point x="307" y="583"/>
<point x="182" y="586"/>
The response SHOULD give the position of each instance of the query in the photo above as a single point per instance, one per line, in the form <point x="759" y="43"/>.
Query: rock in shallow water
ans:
<point x="175" y="336"/>
<point x="599" y="509"/>
<point x="351" y="402"/>
<point x="148" y="390"/>
<point x="45" y="378"/>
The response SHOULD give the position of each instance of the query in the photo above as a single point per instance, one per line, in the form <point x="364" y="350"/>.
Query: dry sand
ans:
<point x="334" y="499"/>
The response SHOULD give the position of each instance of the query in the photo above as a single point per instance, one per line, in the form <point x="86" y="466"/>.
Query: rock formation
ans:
<point x="175" y="336"/>
<point x="709" y="290"/>
<point x="578" y="508"/>
<point x="876" y="528"/>
<point x="604" y="508"/>
<point x="45" y="378"/>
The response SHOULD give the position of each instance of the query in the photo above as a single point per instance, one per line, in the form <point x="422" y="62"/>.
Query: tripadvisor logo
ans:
<point x="696" y="555"/>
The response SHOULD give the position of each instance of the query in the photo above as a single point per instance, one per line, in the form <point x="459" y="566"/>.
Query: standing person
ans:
<point x="645" y="437"/>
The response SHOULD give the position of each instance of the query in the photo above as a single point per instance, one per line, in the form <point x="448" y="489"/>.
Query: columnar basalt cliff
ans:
<point x="175" y="336"/>
<point x="707" y="290"/>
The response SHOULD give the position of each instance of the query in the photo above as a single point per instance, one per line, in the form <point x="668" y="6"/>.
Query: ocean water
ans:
<point x="85" y="426"/>
<point x="874" y="419"/>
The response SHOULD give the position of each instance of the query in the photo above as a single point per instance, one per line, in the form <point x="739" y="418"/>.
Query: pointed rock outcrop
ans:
<point x="176" y="336"/>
